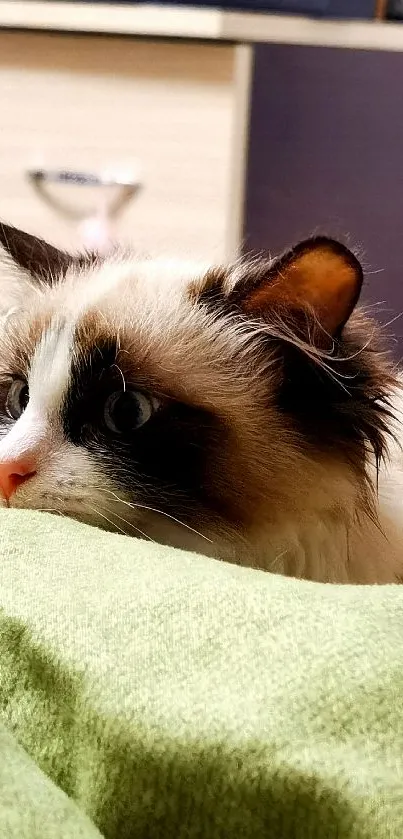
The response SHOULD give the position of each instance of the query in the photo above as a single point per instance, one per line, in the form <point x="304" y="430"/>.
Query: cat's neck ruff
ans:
<point x="343" y="544"/>
<point x="325" y="550"/>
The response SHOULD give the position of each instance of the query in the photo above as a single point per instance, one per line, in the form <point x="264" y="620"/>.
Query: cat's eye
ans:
<point x="17" y="398"/>
<point x="126" y="411"/>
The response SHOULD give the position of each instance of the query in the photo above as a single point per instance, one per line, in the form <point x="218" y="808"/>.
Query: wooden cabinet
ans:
<point x="163" y="110"/>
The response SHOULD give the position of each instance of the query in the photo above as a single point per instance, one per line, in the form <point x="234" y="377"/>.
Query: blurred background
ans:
<point x="205" y="130"/>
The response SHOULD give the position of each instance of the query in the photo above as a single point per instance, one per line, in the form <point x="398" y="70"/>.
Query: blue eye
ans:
<point x="17" y="398"/>
<point x="126" y="411"/>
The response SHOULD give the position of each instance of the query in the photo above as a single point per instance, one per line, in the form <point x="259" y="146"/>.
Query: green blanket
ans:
<point x="146" y="692"/>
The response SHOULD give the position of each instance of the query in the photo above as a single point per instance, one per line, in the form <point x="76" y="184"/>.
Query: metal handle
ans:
<point x="127" y="185"/>
<point x="66" y="176"/>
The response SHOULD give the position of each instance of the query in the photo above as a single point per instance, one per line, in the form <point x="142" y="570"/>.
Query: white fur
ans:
<point x="27" y="438"/>
<point x="47" y="380"/>
<point x="50" y="368"/>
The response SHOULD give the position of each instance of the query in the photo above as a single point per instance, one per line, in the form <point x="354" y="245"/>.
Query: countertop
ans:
<point x="145" y="20"/>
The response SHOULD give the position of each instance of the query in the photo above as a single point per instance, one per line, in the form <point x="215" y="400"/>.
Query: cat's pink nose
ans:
<point x="13" y="473"/>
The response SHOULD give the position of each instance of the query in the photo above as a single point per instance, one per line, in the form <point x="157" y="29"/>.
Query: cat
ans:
<point x="244" y="411"/>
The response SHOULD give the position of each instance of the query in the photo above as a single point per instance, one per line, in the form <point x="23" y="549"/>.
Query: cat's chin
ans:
<point x="203" y="537"/>
<point x="68" y="508"/>
<point x="71" y="512"/>
<point x="117" y="515"/>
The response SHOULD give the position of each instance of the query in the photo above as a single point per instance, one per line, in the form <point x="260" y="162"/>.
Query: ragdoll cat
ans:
<point x="242" y="411"/>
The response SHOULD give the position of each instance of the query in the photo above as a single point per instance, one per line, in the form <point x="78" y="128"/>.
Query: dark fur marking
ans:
<point x="340" y="401"/>
<point x="43" y="261"/>
<point x="165" y="459"/>
<point x="210" y="291"/>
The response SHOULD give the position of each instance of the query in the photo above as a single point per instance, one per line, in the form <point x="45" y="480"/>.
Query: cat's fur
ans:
<point x="274" y="407"/>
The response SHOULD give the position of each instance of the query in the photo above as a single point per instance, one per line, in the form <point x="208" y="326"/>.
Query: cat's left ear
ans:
<point x="319" y="277"/>
<point x="41" y="260"/>
<point x="38" y="258"/>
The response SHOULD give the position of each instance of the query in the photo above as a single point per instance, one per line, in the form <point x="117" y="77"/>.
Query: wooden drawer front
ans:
<point x="86" y="103"/>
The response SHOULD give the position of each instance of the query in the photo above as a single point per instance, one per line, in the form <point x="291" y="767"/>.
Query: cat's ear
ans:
<point x="319" y="278"/>
<point x="35" y="256"/>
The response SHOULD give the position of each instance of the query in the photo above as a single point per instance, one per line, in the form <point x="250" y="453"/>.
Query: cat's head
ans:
<point x="140" y="394"/>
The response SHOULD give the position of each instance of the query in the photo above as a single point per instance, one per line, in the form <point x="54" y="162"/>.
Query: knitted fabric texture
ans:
<point x="147" y="692"/>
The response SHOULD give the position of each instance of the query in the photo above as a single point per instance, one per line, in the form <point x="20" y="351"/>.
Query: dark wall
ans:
<point x="326" y="155"/>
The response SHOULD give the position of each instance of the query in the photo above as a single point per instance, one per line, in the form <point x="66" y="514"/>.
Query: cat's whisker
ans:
<point x="134" y="505"/>
<point x="393" y="320"/>
<point x="128" y="523"/>
<point x="102" y="515"/>
<point x="50" y="510"/>
<point x="276" y="563"/>
<point x="133" y="526"/>
<point x="123" y="378"/>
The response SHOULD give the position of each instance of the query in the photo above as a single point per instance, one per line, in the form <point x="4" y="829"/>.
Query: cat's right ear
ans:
<point x="315" y="286"/>
<point x="40" y="260"/>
